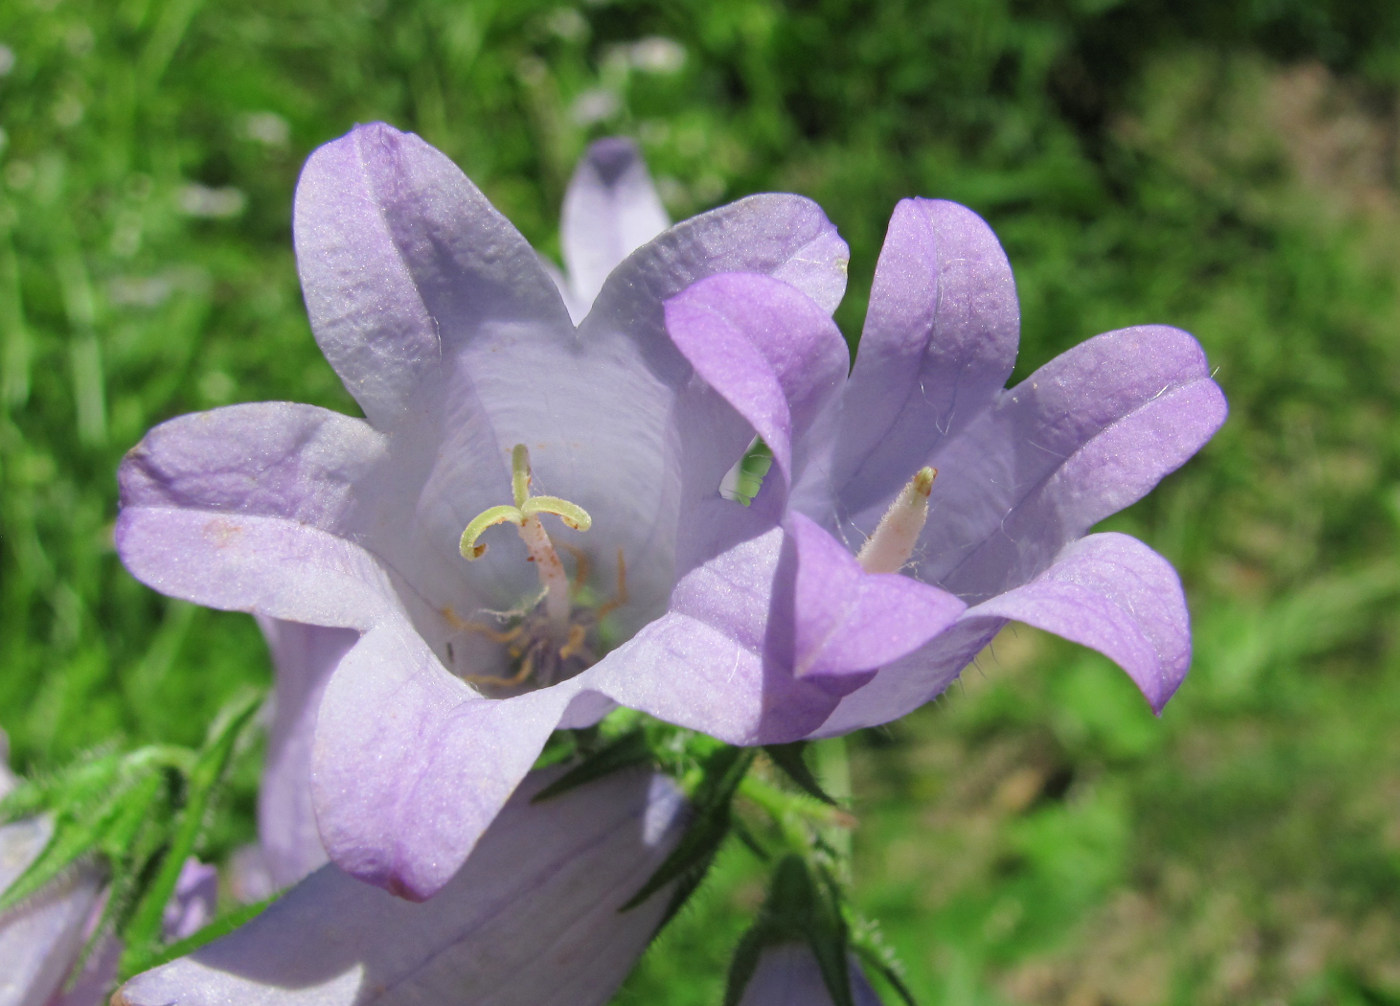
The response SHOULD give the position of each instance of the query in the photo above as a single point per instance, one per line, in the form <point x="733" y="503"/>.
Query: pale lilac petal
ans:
<point x="1114" y="594"/>
<point x="1107" y="591"/>
<point x="576" y="305"/>
<point x="274" y="459"/>
<point x="906" y="684"/>
<point x="93" y="984"/>
<point x="303" y="656"/>
<point x="250" y="875"/>
<point x="265" y="565"/>
<point x="192" y="904"/>
<point x="938" y="345"/>
<point x="531" y="919"/>
<point x="783" y="236"/>
<point x="850" y="620"/>
<point x="403" y="261"/>
<point x="40" y="939"/>
<point x="768" y="350"/>
<point x="788" y="975"/>
<point x="1080" y="439"/>
<point x="411" y="764"/>
<point x="721" y="659"/>
<point x="610" y="210"/>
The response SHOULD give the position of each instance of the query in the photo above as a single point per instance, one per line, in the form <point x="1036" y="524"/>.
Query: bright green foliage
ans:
<point x="138" y="816"/>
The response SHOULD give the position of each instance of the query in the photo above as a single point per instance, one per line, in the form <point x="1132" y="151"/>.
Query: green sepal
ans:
<point x="139" y="815"/>
<point x="627" y="751"/>
<point x="711" y="799"/>
<point x="226" y="923"/>
<point x="803" y="906"/>
<point x="788" y="757"/>
<point x="868" y="943"/>
<point x="100" y="807"/>
<point x="141" y="933"/>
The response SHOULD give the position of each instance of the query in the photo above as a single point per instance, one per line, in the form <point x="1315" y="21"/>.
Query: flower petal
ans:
<point x="769" y="351"/>
<point x="1107" y="591"/>
<point x="411" y="764"/>
<point x="783" y="236"/>
<point x="938" y="344"/>
<point x="849" y="620"/>
<point x="275" y="459"/>
<point x="904" y="685"/>
<point x="265" y="565"/>
<point x="1112" y="593"/>
<point x="532" y="918"/>
<point x="304" y="657"/>
<point x="721" y="660"/>
<point x="1078" y="440"/>
<point x="403" y="261"/>
<point x="40" y="938"/>
<point x="629" y="467"/>
<point x="610" y="210"/>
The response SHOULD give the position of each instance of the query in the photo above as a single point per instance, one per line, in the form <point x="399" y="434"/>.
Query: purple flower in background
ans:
<point x="40" y="939"/>
<point x="532" y="918"/>
<point x="788" y="975"/>
<point x="929" y="488"/>
<point x="424" y="652"/>
<point x="610" y="210"/>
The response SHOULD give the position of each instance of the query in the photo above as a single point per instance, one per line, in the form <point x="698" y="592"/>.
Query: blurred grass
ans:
<point x="1035" y="836"/>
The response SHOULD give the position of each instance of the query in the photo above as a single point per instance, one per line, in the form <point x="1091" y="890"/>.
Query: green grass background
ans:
<point x="1034" y="837"/>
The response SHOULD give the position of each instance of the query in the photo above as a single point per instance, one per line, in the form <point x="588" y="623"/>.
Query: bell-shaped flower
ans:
<point x="929" y="487"/>
<point x="788" y="975"/>
<point x="430" y="563"/>
<point x="534" y="917"/>
<point x="611" y="208"/>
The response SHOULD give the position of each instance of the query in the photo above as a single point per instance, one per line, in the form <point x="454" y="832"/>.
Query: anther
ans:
<point x="889" y="548"/>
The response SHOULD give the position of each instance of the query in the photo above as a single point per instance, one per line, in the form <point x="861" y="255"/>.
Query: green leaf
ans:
<point x="141" y="934"/>
<point x="222" y="926"/>
<point x="629" y="750"/>
<point x="98" y="808"/>
<point x="744" y="963"/>
<point x="788" y="757"/>
<point x="876" y="954"/>
<point x="712" y="800"/>
<point x="803" y="906"/>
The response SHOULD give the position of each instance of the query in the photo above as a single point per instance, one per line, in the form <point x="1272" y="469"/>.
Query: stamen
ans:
<point x="525" y="516"/>
<point x="889" y="548"/>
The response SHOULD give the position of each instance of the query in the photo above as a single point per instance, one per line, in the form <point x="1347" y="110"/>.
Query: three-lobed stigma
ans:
<point x="892" y="544"/>
<point x="525" y="515"/>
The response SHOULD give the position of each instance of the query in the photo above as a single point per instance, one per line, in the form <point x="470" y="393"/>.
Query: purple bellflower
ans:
<point x="532" y="918"/>
<point x="788" y="975"/>
<point x="41" y="938"/>
<point x="525" y="528"/>
<point x="924" y="505"/>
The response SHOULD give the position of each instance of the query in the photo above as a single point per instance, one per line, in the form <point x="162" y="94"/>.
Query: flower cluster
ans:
<point x="529" y="528"/>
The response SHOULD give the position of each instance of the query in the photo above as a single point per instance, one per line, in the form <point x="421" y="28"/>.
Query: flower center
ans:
<point x="525" y="516"/>
<point x="552" y="641"/>
<point x="889" y="548"/>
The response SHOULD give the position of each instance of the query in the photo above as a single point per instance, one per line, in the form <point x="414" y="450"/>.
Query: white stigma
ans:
<point x="889" y="548"/>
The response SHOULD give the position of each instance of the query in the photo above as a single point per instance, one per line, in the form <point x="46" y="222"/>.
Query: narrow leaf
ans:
<point x="629" y="750"/>
<point x="788" y="757"/>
